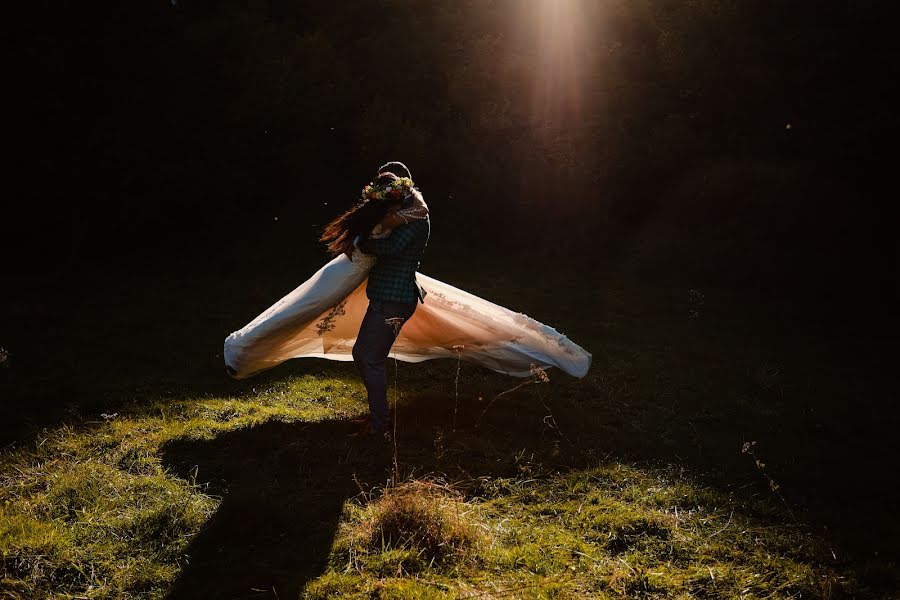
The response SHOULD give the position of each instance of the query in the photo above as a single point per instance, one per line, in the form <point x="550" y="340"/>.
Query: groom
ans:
<point x="393" y="294"/>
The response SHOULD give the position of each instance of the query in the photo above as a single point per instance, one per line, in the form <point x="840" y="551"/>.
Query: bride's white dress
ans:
<point x="320" y="319"/>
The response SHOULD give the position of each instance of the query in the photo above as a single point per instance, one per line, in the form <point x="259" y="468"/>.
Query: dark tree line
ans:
<point x="730" y="139"/>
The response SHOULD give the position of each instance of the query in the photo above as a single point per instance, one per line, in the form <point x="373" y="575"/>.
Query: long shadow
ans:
<point x="283" y="486"/>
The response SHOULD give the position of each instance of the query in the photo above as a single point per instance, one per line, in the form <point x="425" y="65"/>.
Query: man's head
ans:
<point x="396" y="167"/>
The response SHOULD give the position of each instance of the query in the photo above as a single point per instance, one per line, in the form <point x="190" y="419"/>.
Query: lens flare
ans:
<point x="561" y="47"/>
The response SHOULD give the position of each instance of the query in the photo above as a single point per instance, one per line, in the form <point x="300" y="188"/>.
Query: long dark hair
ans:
<point x="360" y="220"/>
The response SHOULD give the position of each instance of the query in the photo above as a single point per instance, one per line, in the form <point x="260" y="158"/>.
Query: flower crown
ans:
<point x="398" y="189"/>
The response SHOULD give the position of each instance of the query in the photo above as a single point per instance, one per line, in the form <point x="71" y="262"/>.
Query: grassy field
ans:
<point x="722" y="446"/>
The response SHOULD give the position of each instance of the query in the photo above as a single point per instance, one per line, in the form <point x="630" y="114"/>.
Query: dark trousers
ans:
<point x="377" y="333"/>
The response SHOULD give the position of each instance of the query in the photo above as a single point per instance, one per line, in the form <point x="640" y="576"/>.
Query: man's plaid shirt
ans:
<point x="393" y="278"/>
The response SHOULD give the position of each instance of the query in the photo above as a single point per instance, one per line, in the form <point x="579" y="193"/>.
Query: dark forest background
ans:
<point x="731" y="140"/>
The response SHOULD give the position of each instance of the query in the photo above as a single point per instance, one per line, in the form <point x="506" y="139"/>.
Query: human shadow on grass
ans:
<point x="283" y="486"/>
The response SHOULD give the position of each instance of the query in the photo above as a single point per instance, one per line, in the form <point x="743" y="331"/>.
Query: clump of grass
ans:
<point x="418" y="523"/>
<point x="624" y="531"/>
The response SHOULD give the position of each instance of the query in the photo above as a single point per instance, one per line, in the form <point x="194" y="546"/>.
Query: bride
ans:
<point x="322" y="317"/>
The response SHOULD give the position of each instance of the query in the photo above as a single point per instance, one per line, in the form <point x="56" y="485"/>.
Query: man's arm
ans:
<point x="392" y="245"/>
<point x="415" y="211"/>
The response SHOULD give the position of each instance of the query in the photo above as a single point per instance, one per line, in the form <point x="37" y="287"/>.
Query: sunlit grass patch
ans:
<point x="90" y="527"/>
<point x="91" y="511"/>
<point x="96" y="511"/>
<point x="614" y="531"/>
<point x="337" y="585"/>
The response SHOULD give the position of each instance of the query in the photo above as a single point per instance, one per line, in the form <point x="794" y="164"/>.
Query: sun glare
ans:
<point x="560" y="47"/>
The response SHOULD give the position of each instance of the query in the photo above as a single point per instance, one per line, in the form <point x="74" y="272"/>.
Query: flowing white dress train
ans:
<point x="320" y="319"/>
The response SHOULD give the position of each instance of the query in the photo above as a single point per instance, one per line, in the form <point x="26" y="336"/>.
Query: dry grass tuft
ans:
<point x="423" y="517"/>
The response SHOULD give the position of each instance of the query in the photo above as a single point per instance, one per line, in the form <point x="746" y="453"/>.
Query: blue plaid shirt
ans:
<point x="393" y="278"/>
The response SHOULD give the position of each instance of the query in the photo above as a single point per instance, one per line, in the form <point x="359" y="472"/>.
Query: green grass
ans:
<point x="109" y="511"/>
<point x="628" y="483"/>
<point x="610" y="531"/>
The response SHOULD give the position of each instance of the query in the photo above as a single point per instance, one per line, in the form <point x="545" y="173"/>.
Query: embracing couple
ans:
<point x="393" y="225"/>
<point x="368" y="302"/>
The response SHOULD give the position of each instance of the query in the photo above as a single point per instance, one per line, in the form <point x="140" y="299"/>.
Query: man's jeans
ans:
<point x="377" y="333"/>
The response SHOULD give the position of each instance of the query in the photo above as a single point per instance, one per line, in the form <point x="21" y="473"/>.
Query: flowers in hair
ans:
<point x="398" y="189"/>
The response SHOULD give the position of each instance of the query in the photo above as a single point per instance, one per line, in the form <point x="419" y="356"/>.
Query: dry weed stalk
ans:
<point x="396" y="323"/>
<point x="747" y="448"/>
<point x="458" y="349"/>
<point x="538" y="375"/>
